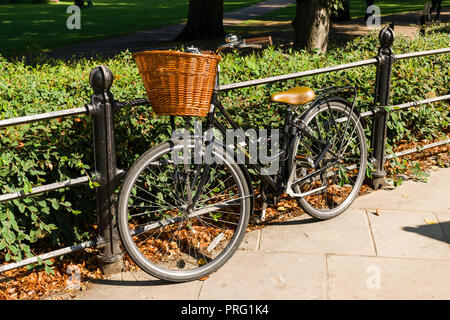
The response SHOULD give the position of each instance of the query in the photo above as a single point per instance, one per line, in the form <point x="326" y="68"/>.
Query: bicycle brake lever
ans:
<point x="192" y="49"/>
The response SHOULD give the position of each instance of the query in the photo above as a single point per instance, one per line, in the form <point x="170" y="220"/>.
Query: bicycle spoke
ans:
<point x="150" y="194"/>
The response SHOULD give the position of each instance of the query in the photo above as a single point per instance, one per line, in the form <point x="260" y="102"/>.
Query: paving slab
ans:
<point x="352" y="277"/>
<point x="251" y="240"/>
<point x="257" y="275"/>
<point x="408" y="235"/>
<point x="138" y="285"/>
<point x="348" y="233"/>
<point x="412" y="196"/>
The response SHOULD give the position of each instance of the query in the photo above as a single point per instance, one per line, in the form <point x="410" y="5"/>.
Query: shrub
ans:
<point x="60" y="149"/>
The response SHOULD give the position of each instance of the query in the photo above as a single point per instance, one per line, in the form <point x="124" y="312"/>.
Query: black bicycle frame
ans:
<point x="291" y="128"/>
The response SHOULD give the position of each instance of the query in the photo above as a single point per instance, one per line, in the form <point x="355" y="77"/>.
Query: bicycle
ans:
<point x="181" y="218"/>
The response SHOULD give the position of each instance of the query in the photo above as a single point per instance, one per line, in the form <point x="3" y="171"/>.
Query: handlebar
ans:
<point x="233" y="41"/>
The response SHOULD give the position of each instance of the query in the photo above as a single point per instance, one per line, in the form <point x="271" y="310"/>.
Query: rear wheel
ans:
<point x="170" y="227"/>
<point x="345" y="160"/>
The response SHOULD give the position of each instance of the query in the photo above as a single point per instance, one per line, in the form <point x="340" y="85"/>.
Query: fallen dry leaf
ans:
<point x="428" y="221"/>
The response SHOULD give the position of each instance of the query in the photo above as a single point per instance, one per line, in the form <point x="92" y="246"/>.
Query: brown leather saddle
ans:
<point x="294" y="96"/>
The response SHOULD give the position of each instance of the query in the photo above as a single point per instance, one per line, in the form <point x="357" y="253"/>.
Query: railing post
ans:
<point x="381" y="98"/>
<point x="106" y="173"/>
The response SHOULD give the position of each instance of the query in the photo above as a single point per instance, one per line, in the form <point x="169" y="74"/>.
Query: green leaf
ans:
<point x="21" y="207"/>
<point x="42" y="203"/>
<point x="55" y="205"/>
<point x="10" y="236"/>
<point x="15" y="251"/>
<point x="49" y="270"/>
<point x="14" y="225"/>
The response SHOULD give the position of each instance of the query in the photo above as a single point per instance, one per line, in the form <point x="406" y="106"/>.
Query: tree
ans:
<point x="205" y="21"/>
<point x="312" y="23"/>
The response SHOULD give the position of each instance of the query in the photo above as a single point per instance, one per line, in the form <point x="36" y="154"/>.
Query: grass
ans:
<point x="28" y="28"/>
<point x="358" y="8"/>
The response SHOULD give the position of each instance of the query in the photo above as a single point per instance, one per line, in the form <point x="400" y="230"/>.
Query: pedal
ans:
<point x="263" y="211"/>
<point x="262" y="217"/>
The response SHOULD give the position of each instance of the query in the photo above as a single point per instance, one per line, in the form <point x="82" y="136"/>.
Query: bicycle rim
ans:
<point x="166" y="236"/>
<point x="346" y="160"/>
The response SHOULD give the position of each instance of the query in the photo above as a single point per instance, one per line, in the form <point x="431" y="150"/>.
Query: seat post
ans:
<point x="288" y="117"/>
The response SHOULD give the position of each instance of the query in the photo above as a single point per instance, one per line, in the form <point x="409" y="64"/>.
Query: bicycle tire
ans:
<point x="195" y="239"/>
<point x="320" y="205"/>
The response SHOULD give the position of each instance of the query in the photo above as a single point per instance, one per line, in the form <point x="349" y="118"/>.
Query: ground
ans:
<point x="21" y="284"/>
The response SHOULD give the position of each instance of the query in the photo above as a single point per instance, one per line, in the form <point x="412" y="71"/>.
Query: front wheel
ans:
<point x="172" y="228"/>
<point x="343" y="166"/>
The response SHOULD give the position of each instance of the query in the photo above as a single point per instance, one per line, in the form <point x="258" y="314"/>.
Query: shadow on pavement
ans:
<point x="435" y="231"/>
<point x="130" y="283"/>
<point x="296" y="222"/>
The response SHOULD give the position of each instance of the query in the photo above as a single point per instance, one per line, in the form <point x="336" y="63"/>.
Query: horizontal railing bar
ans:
<point x="42" y="116"/>
<point x="132" y="103"/>
<point x="420" y="53"/>
<point x="420" y="102"/>
<point x="44" y="188"/>
<point x="296" y="75"/>
<point x="49" y="255"/>
<point x="368" y="113"/>
<point x="428" y="146"/>
<point x="407" y="105"/>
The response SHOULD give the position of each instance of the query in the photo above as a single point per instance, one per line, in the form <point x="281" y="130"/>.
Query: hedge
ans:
<point x="60" y="149"/>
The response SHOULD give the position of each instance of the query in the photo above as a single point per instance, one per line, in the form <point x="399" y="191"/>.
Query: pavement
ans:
<point x="390" y="244"/>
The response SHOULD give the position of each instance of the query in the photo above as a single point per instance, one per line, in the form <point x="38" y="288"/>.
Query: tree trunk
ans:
<point x="205" y="21"/>
<point x="311" y="25"/>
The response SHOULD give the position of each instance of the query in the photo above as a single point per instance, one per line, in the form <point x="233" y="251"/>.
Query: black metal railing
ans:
<point x="101" y="109"/>
<point x="103" y="106"/>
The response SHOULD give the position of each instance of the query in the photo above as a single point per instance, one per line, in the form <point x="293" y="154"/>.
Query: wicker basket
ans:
<point x="178" y="83"/>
